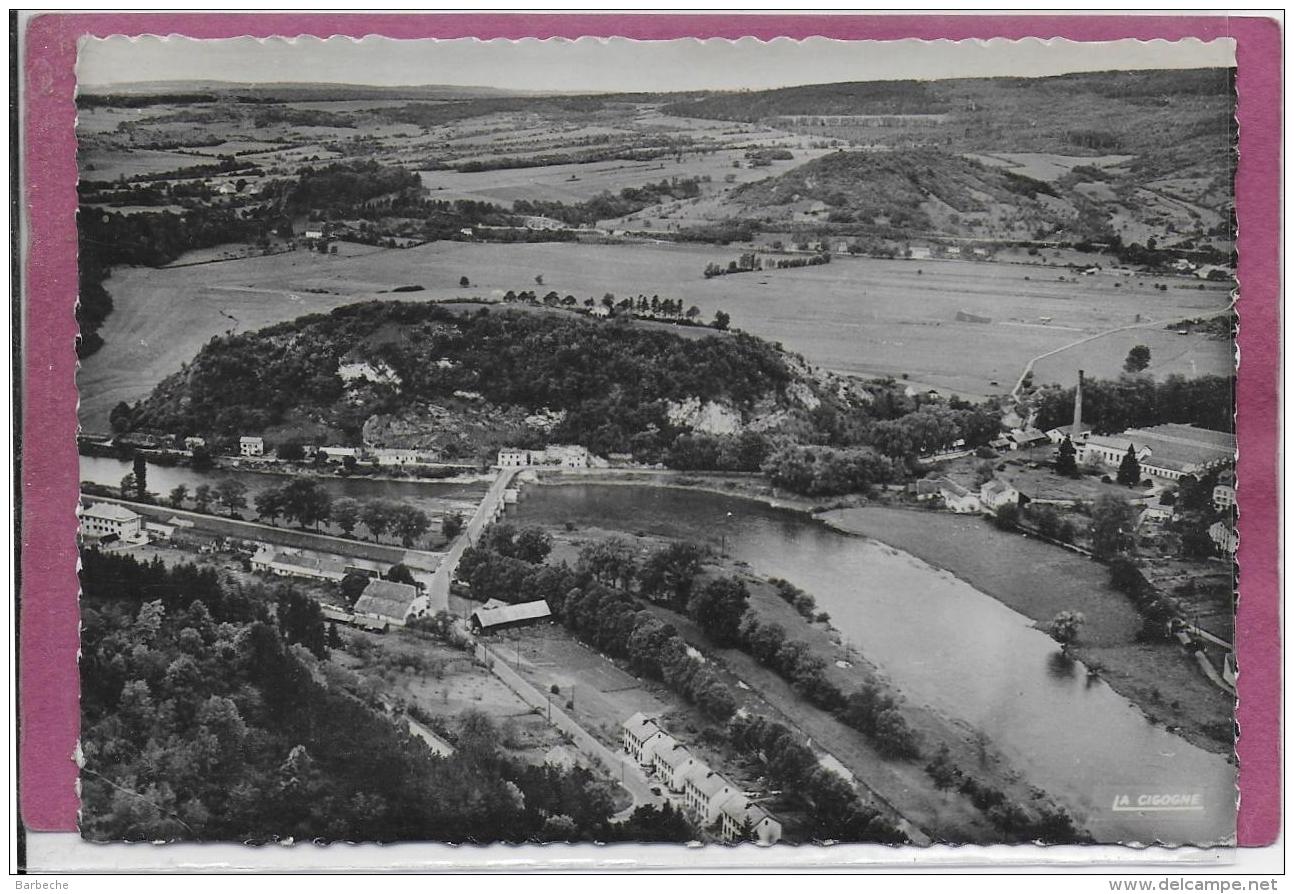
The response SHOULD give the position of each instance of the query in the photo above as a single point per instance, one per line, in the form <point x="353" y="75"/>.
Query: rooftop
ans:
<point x="1178" y="447"/>
<point x="110" y="512"/>
<point x="642" y="726"/>
<point x="522" y="611"/>
<point x="708" y="782"/>
<point x="386" y="598"/>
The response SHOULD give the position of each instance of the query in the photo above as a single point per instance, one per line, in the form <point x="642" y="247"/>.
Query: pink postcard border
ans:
<point x="48" y="693"/>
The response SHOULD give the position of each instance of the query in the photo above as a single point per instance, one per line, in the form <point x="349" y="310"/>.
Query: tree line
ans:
<point x="1112" y="406"/>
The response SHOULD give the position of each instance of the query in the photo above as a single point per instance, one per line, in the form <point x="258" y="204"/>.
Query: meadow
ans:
<point x="856" y="315"/>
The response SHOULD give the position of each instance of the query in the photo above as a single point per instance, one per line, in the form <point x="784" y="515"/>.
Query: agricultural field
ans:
<point x="856" y="315"/>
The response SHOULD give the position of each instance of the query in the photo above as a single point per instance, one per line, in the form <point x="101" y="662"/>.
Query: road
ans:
<point x="1028" y="367"/>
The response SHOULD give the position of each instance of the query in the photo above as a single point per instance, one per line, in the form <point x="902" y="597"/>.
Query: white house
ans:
<point x="513" y="458"/>
<point x="995" y="493"/>
<point x="1156" y="512"/>
<point x="1061" y="432"/>
<point x="194" y="443"/>
<point x="740" y="819"/>
<point x="392" y="602"/>
<point x="285" y="562"/>
<point x="637" y="733"/>
<point x="109" y="519"/>
<point x="248" y="446"/>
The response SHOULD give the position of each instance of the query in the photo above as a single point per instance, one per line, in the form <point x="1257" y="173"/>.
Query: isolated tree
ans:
<point x="1065" y="627"/>
<point x="464" y="282"/>
<point x="127" y="485"/>
<point x="1129" y="468"/>
<point x="539" y="279"/>
<point x="345" y="514"/>
<point x="141" y="477"/>
<point x="1067" y="459"/>
<point x="693" y="312"/>
<point x="178" y="495"/>
<point x="1138" y="359"/>
<point x="721" y="320"/>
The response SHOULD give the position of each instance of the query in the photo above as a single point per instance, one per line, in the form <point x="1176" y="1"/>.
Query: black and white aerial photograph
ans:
<point x="746" y="443"/>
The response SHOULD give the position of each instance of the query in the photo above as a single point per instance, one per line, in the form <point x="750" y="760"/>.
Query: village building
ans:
<point x="637" y="733"/>
<point x="285" y="562"/>
<point x="1026" y="438"/>
<point x="488" y="620"/>
<point x="513" y="458"/>
<point x="568" y="456"/>
<point x="390" y="601"/>
<point x="1156" y="512"/>
<point x="1166" y="452"/>
<point x="741" y="819"/>
<point x="251" y="446"/>
<point x="338" y="454"/>
<point x="995" y="493"/>
<point x="704" y="793"/>
<point x="956" y="497"/>
<point x="1076" y="434"/>
<point x="395" y="456"/>
<point x="194" y="443"/>
<point x="1224" y="492"/>
<point x="159" y="530"/>
<point x="110" y="520"/>
<point x="671" y="762"/>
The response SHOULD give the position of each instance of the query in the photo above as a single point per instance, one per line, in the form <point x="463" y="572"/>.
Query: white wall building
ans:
<point x="249" y="446"/>
<point x="109" y="519"/>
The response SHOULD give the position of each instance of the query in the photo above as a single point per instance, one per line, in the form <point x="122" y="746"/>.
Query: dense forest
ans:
<point x="206" y="715"/>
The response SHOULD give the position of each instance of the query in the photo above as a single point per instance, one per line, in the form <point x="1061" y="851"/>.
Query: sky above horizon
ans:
<point x="616" y="64"/>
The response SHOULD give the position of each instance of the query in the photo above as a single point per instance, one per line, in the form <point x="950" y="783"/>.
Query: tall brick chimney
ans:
<point x="1078" y="409"/>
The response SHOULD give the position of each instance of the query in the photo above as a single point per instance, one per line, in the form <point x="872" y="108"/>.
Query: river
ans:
<point x="945" y="644"/>
<point x="432" y="496"/>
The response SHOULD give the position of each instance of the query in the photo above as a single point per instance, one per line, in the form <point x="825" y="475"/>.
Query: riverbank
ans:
<point x="1038" y="581"/>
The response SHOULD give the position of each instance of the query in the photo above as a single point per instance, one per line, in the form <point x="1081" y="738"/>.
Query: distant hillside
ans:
<point x="478" y="373"/>
<point x="923" y="190"/>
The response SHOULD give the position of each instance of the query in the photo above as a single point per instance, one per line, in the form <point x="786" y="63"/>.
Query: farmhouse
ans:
<point x="1156" y="512"/>
<point x="488" y="620"/>
<point x="637" y="733"/>
<point x="996" y="493"/>
<point x="110" y="520"/>
<point x="389" y="601"/>
<point x="1167" y="452"/>
<point x="741" y="819"/>
<point x="955" y="497"/>
<point x="248" y="446"/>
